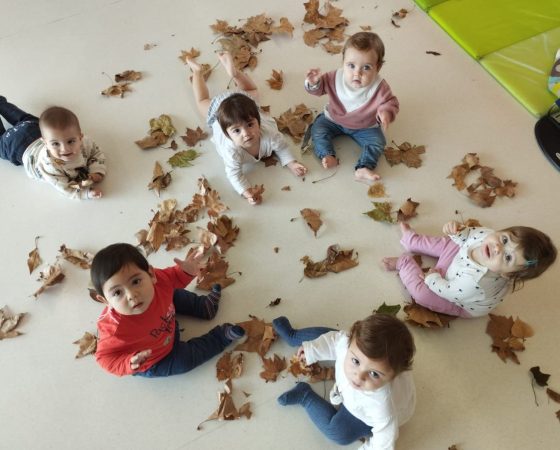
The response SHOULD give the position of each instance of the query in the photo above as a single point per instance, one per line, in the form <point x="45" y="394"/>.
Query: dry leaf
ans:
<point x="272" y="367"/>
<point x="160" y="179"/>
<point x="277" y="80"/>
<point x="34" y="259"/>
<point x="9" y="323"/>
<point x="260" y="336"/>
<point x="229" y="367"/>
<point x="226" y="408"/>
<point x="87" y="344"/>
<point x="194" y="136"/>
<point x="50" y="276"/>
<point x="312" y="218"/>
<point x="77" y="257"/>
<point x="128" y="75"/>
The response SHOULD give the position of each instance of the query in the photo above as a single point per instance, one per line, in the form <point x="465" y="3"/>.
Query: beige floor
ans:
<point x="55" y="52"/>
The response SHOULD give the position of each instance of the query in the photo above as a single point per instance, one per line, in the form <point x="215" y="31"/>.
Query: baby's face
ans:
<point x="499" y="253"/>
<point x="245" y="135"/>
<point x="130" y="291"/>
<point x="360" y="68"/>
<point x="65" y="144"/>
<point x="366" y="374"/>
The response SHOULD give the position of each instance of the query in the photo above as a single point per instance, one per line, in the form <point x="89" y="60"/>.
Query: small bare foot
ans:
<point x="195" y="67"/>
<point x="329" y="162"/>
<point x="404" y="227"/>
<point x="366" y="175"/>
<point x="390" y="263"/>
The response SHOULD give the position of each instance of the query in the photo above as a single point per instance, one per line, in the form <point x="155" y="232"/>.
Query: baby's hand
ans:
<point x="192" y="263"/>
<point x="297" y="169"/>
<point x="313" y="76"/>
<point x="138" y="359"/>
<point x="96" y="177"/>
<point x="452" y="227"/>
<point x="301" y="355"/>
<point x="384" y="120"/>
<point x="94" y="193"/>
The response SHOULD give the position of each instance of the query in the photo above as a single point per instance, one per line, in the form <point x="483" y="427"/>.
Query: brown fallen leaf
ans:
<point x="272" y="367"/>
<point x="160" y="179"/>
<point x="9" y="323"/>
<point x="192" y="137"/>
<point x="407" y="210"/>
<point x="34" y="259"/>
<point x="128" y="75"/>
<point x="87" y="345"/>
<point x="226" y="408"/>
<point x="312" y="218"/>
<point x="214" y="272"/>
<point x="260" y="336"/>
<point x="50" y="276"/>
<point x="229" y="367"/>
<point x="419" y="315"/>
<point x="276" y="81"/>
<point x="77" y="257"/>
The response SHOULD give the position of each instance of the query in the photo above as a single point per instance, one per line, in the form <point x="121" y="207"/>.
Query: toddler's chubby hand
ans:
<point x="301" y="354"/>
<point x="94" y="193"/>
<point x="253" y="199"/>
<point x="297" y="168"/>
<point x="96" y="177"/>
<point x="193" y="262"/>
<point x="313" y="76"/>
<point x="452" y="227"/>
<point x="138" y="359"/>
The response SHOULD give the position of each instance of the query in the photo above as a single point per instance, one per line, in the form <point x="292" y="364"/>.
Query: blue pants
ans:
<point x="186" y="356"/>
<point x="370" y="140"/>
<point x="339" y="425"/>
<point x="24" y="131"/>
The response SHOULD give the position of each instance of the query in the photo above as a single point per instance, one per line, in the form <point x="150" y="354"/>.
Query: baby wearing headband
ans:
<point x="476" y="267"/>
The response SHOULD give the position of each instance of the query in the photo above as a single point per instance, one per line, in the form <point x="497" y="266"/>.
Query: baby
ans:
<point x="360" y="102"/>
<point x="52" y="148"/>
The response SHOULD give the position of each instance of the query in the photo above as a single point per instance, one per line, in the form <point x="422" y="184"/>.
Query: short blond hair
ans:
<point x="59" y="118"/>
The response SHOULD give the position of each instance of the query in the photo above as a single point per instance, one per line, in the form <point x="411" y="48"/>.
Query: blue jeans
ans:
<point x="24" y="131"/>
<point x="339" y="425"/>
<point x="187" y="355"/>
<point x="371" y="140"/>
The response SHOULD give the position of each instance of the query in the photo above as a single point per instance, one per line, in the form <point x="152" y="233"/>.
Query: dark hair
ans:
<point x="59" y="118"/>
<point x="237" y="108"/>
<point x="382" y="336"/>
<point x="108" y="261"/>
<point x="365" y="41"/>
<point x="538" y="251"/>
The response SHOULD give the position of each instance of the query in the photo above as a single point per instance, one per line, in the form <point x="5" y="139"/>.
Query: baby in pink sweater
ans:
<point x="361" y="104"/>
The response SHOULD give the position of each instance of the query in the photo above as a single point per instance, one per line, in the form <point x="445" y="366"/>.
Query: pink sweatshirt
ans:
<point x="365" y="116"/>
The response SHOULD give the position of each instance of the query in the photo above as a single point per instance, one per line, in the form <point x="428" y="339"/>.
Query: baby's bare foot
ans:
<point x="366" y="175"/>
<point x="195" y="67"/>
<point x="329" y="162"/>
<point x="390" y="263"/>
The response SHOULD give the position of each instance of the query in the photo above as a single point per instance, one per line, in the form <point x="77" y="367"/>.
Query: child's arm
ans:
<point x="242" y="80"/>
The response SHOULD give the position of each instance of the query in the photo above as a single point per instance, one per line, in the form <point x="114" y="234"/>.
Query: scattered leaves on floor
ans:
<point x="272" y="367"/>
<point x="77" y="257"/>
<point x="312" y="218"/>
<point x="192" y="137"/>
<point x="214" y="272"/>
<point x="337" y="260"/>
<point x="294" y="121"/>
<point x="226" y="408"/>
<point x="405" y="153"/>
<point x="508" y="336"/>
<point x="540" y="378"/>
<point x="87" y="345"/>
<point x="161" y="129"/>
<point x="49" y="277"/>
<point x="314" y="372"/>
<point x="183" y="158"/>
<point x="160" y="179"/>
<point x="419" y="315"/>
<point x="9" y="323"/>
<point x="391" y="310"/>
<point x="34" y="259"/>
<point x="229" y="366"/>
<point x="260" y="336"/>
<point x="276" y="81"/>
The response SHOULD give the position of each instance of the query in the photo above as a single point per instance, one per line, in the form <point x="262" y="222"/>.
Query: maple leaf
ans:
<point x="116" y="90"/>
<point x="260" y="336"/>
<point x="34" y="259"/>
<point x="9" y="323"/>
<point x="194" y="136"/>
<point x="184" y="158"/>
<point x="190" y="54"/>
<point x="160" y="179"/>
<point x="419" y="315"/>
<point x="272" y="367"/>
<point x="87" y="345"/>
<point x="391" y="310"/>
<point x="128" y="75"/>
<point x="269" y="160"/>
<point x="377" y="190"/>
<point x="407" y="210"/>
<point x="50" y="276"/>
<point x="222" y="227"/>
<point x="295" y="121"/>
<point x="77" y="257"/>
<point x="277" y="80"/>
<point x="229" y="367"/>
<point x="381" y="212"/>
<point x="214" y="272"/>
<point x="312" y="218"/>
<point x="540" y="378"/>
<point x="226" y="408"/>
<point x="406" y="153"/>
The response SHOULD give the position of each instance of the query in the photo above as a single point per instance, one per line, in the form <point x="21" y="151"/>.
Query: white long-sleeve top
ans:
<point x="468" y="284"/>
<point x="384" y="409"/>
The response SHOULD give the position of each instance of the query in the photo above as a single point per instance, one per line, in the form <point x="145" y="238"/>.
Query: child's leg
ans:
<point x="200" y="90"/>
<point x="338" y="425"/>
<point x="411" y="276"/>
<point x="372" y="143"/>
<point x="201" y="306"/>
<point x="185" y="356"/>
<point x="13" y="114"/>
<point x="323" y="131"/>
<point x="295" y="337"/>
